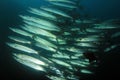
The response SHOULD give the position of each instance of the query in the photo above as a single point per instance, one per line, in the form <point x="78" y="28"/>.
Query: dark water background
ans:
<point x="9" y="11"/>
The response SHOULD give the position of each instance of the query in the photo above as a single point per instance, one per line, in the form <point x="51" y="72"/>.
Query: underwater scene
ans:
<point x="59" y="39"/>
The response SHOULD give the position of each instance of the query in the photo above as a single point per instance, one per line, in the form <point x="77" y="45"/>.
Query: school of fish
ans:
<point x="53" y="41"/>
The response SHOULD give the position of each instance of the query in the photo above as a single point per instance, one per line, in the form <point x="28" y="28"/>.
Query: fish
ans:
<point x="75" y="29"/>
<point x="86" y="71"/>
<point x="78" y="55"/>
<point x="111" y="48"/>
<point x="60" y="62"/>
<point x="55" y="78"/>
<point x="45" y="42"/>
<point x="93" y="30"/>
<point x="58" y="40"/>
<point x="105" y="26"/>
<point x="77" y="63"/>
<point x="89" y="39"/>
<point x="85" y="44"/>
<point x="30" y="64"/>
<point x="22" y="48"/>
<point x="66" y="33"/>
<point x="86" y="21"/>
<point x="38" y="31"/>
<point x="41" y="22"/>
<point x="40" y="26"/>
<point x="43" y="13"/>
<point x="63" y="1"/>
<point x="70" y="6"/>
<point x="21" y="32"/>
<point x="75" y="50"/>
<point x="43" y="46"/>
<point x="56" y="11"/>
<point x="19" y="39"/>
<point x="30" y="59"/>
<point x="61" y="56"/>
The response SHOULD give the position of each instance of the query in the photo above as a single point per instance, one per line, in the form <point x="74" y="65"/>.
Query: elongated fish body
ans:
<point x="42" y="13"/>
<point x="84" y="21"/>
<point x="78" y="63"/>
<point x="111" y="47"/>
<point x="86" y="71"/>
<point x="19" y="31"/>
<point x="55" y="11"/>
<point x="45" y="42"/>
<point x="45" y="47"/>
<point x="42" y="22"/>
<point x="81" y="61"/>
<point x="94" y="30"/>
<point x="22" y="48"/>
<point x="85" y="44"/>
<point x="103" y="26"/>
<point x="64" y="1"/>
<point x="39" y="31"/>
<point x="30" y="59"/>
<point x="59" y="41"/>
<point x="61" y="63"/>
<point x="19" y="39"/>
<point x="80" y="51"/>
<point x="89" y="39"/>
<point x="61" y="56"/>
<point x="64" y="5"/>
<point x="57" y="78"/>
<point x="40" y="26"/>
<point x="30" y="64"/>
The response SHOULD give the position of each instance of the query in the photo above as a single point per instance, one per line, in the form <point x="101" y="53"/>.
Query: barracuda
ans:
<point x="22" y="48"/>
<point x="42" y="13"/>
<point x="65" y="1"/>
<point x="30" y="59"/>
<point x="56" y="11"/>
<point x="40" y="26"/>
<point x="19" y="31"/>
<point x="86" y="71"/>
<point x="39" y="31"/>
<point x="63" y="5"/>
<point x="75" y="50"/>
<point x="94" y="30"/>
<point x="30" y="64"/>
<point x="105" y="26"/>
<point x="78" y="63"/>
<point x="45" y="42"/>
<point x="60" y="62"/>
<point x="59" y="41"/>
<point x="85" y="45"/>
<point x="42" y="22"/>
<point x="65" y="56"/>
<point x="19" y="39"/>
<point x="89" y="39"/>
<point x="45" y="47"/>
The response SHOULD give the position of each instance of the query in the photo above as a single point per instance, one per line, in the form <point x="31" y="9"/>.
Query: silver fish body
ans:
<point x="22" y="48"/>
<point x="21" y="32"/>
<point x="19" y="39"/>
